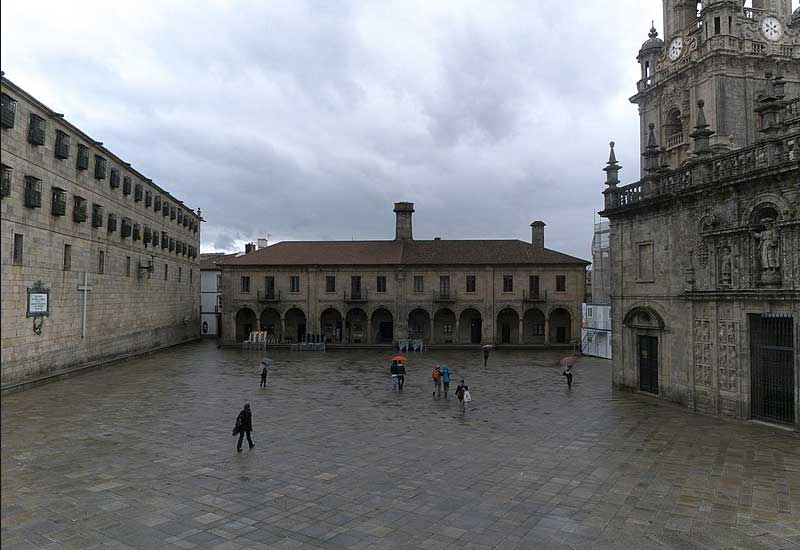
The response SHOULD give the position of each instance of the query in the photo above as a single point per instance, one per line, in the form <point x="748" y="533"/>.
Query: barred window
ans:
<point x="82" y="159"/>
<point x="8" y="174"/>
<point x="59" y="202"/>
<point x="36" y="130"/>
<point x="97" y="215"/>
<point x="100" y="169"/>
<point x="127" y="229"/>
<point x="62" y="145"/>
<point x="157" y="204"/>
<point x="9" y="110"/>
<point x="126" y="185"/>
<point x="148" y="199"/>
<point x="112" y="223"/>
<point x="137" y="232"/>
<point x="67" y="263"/>
<point x="79" y="210"/>
<point x="33" y="192"/>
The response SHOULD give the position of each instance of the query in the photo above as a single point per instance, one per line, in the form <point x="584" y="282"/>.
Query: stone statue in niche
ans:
<point x="769" y="252"/>
<point x="726" y="265"/>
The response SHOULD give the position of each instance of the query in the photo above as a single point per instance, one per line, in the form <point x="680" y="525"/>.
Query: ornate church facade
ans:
<point x="705" y="248"/>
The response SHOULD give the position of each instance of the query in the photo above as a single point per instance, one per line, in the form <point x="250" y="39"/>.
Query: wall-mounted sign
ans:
<point x="38" y="300"/>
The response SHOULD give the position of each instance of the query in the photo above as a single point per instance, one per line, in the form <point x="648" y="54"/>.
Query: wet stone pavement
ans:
<point x="140" y="455"/>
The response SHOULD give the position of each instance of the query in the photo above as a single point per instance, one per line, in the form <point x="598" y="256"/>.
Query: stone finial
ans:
<point x="652" y="153"/>
<point x="701" y="132"/>
<point x="653" y="32"/>
<point x="612" y="168"/>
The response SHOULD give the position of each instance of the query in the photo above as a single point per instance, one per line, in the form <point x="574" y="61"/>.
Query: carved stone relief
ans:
<point x="728" y="369"/>
<point x="702" y="352"/>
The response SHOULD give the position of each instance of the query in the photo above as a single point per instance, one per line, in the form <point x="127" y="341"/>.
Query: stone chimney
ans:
<point x="537" y="234"/>
<point x="262" y="243"/>
<point x="249" y="247"/>
<point x="403" y="212"/>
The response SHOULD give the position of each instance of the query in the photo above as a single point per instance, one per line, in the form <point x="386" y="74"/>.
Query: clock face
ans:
<point x="676" y="48"/>
<point x="771" y="28"/>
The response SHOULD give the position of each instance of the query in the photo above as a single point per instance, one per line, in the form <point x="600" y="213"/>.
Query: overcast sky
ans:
<point x="309" y="119"/>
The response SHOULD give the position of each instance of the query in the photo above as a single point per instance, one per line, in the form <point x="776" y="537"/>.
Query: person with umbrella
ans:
<point x="265" y="363"/>
<point x="568" y="362"/>
<point x="399" y="371"/>
<point x="486" y="350"/>
<point x="445" y="371"/>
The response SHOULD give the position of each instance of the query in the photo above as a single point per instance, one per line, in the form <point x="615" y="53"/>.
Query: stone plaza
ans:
<point x="140" y="456"/>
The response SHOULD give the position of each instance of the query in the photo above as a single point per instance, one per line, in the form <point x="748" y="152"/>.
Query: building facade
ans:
<point x="705" y="248"/>
<point x="211" y="294"/>
<point x="453" y="292"/>
<point x="113" y="254"/>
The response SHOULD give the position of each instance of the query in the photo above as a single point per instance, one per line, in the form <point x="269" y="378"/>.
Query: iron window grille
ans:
<point x="154" y="238"/>
<point x="82" y="159"/>
<point x="157" y="204"/>
<point x="137" y="232"/>
<point x="138" y="192"/>
<point x="100" y="169"/>
<point x="5" y="188"/>
<point x="97" y="215"/>
<point x="172" y="245"/>
<point x="186" y="221"/>
<point x="180" y="217"/>
<point x="164" y="240"/>
<point x="172" y="213"/>
<point x="165" y="209"/>
<point x="126" y="230"/>
<point x="62" y="145"/>
<point x="59" y="202"/>
<point x="148" y="199"/>
<point x="33" y="192"/>
<point x="148" y="235"/>
<point x="36" y="130"/>
<point x="79" y="210"/>
<point x="112" y="223"/>
<point x="113" y="179"/>
<point x="9" y="110"/>
<point x="126" y="185"/>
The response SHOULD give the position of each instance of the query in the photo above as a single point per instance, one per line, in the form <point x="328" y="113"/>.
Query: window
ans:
<point x="171" y="245"/>
<point x="154" y="238"/>
<point x="126" y="185"/>
<point x="172" y="213"/>
<point x="355" y="286"/>
<point x="112" y="223"/>
<point x="180" y="217"/>
<point x="100" y="170"/>
<point x="166" y="271"/>
<point x="219" y="302"/>
<point x="471" y="283"/>
<point x="165" y="209"/>
<point x="533" y="286"/>
<point x="127" y="266"/>
<point x="67" y="257"/>
<point x="148" y="199"/>
<point x="508" y="283"/>
<point x="5" y="190"/>
<point x="58" y="205"/>
<point x="645" y="260"/>
<point x="269" y="285"/>
<point x="157" y="204"/>
<point x="447" y="328"/>
<point x="717" y="26"/>
<point x="444" y="285"/>
<point x="245" y="283"/>
<point x="148" y="236"/>
<point x="9" y="110"/>
<point x="180" y="273"/>
<point x="561" y="283"/>
<point x="33" y="192"/>
<point x="138" y="192"/>
<point x="137" y="232"/>
<point x="17" y="258"/>
<point x="101" y="262"/>
<point x="62" y="145"/>
<point x="82" y="158"/>
<point x="294" y="283"/>
<point x="538" y="329"/>
<point x="589" y="312"/>
<point x="380" y="283"/>
<point x="330" y="283"/>
<point x="419" y="283"/>
<point x="79" y="210"/>
<point x="186" y="220"/>
<point x="126" y="228"/>
<point x="191" y="275"/>
<point x="97" y="215"/>
<point x="36" y="130"/>
<point x="164" y="240"/>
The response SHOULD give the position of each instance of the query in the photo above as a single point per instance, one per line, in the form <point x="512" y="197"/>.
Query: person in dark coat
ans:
<point x="244" y="425"/>
<point x="401" y="375"/>
<point x="263" y="377"/>
<point x="486" y="350"/>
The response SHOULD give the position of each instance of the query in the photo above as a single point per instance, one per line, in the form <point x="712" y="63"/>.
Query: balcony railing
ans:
<point x="269" y="296"/>
<point x="444" y="296"/>
<point x="540" y="296"/>
<point x="359" y="296"/>
<point x="675" y="140"/>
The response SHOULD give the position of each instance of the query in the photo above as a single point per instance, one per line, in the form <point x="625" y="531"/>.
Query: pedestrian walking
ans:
<point x="437" y="381"/>
<point x="568" y="375"/>
<point x="394" y="370"/>
<point x="244" y="425"/>
<point x="486" y="350"/>
<point x="401" y="375"/>
<point x="464" y="397"/>
<point x="445" y="370"/>
<point x="263" y="377"/>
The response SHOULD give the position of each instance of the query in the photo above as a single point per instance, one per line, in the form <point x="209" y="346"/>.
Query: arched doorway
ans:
<point x="508" y="326"/>
<point x="560" y="326"/>
<point x="295" y="321"/>
<point x="383" y="326"/>
<point x="245" y="323"/>
<point x="646" y="327"/>
<point x="330" y="322"/>
<point x="533" y="327"/>
<point x="444" y="326"/>
<point x="419" y="325"/>
<point x="271" y="323"/>
<point x="470" y="326"/>
<point x="357" y="326"/>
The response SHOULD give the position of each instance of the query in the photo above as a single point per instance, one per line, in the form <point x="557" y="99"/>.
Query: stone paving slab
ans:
<point x="139" y="456"/>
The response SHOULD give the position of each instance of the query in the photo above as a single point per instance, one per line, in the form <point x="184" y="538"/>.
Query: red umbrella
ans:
<point x="568" y="361"/>
<point x="399" y="358"/>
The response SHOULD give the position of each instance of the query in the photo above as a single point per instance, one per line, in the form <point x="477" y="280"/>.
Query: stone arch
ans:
<point x="470" y="326"/>
<point x="760" y="207"/>
<point x="502" y="307"/>
<point x="382" y="322"/>
<point x="444" y="326"/>
<point x="357" y="326"/>
<point x="533" y="326"/>
<point x="643" y="317"/>
<point x="331" y="325"/>
<point x="673" y="127"/>
<point x="508" y="326"/>
<point x="560" y="323"/>
<point x="419" y="324"/>
<point x="246" y="323"/>
<point x="295" y="322"/>
<point x="270" y="319"/>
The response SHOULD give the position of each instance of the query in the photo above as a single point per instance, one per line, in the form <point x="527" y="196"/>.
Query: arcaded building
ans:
<point x="98" y="261"/>
<point x="454" y="292"/>
<point x="705" y="248"/>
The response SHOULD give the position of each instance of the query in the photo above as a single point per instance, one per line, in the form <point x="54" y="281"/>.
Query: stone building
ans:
<point x="705" y="248"/>
<point x="76" y="217"/>
<point x="378" y="292"/>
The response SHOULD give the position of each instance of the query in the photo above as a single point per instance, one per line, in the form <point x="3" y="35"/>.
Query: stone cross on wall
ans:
<point x="85" y="289"/>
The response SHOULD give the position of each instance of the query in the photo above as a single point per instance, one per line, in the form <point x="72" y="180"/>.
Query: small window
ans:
<point x="9" y="110"/>
<point x="165" y="209"/>
<point x="191" y="276"/>
<point x="138" y="192"/>
<point x="33" y="192"/>
<point x="62" y="145"/>
<point x="380" y="283"/>
<point x="97" y="215"/>
<point x="538" y="329"/>
<point x="112" y="223"/>
<point x="471" y="284"/>
<point x="717" y="26"/>
<point x="164" y="240"/>
<point x="126" y="229"/>
<point x="127" y="266"/>
<point x="154" y="238"/>
<point x="180" y="217"/>
<point x="294" y="283"/>
<point x="589" y="312"/>
<point x="561" y="283"/>
<point x="330" y="283"/>
<point x="100" y="170"/>
<point x="82" y="158"/>
<point x="126" y="185"/>
<point x="101" y="262"/>
<point x="245" y="284"/>
<point x="8" y="173"/>
<point x="148" y="235"/>
<point x="136" y="233"/>
<point x="166" y="271"/>
<point x="157" y="204"/>
<point x="36" y="130"/>
<point x="185" y="220"/>
<point x="67" y="257"/>
<point x="444" y="285"/>
<point x="79" y="213"/>
<point x="508" y="283"/>
<point x="171" y="244"/>
<point x="17" y="258"/>
<point x="180" y="273"/>
<point x="533" y="286"/>
<point x="172" y="212"/>
<point x="419" y="283"/>
<point x="58" y="205"/>
<point x="148" y="199"/>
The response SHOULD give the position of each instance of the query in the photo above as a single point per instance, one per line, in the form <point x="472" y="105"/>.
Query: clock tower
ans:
<point x="717" y="51"/>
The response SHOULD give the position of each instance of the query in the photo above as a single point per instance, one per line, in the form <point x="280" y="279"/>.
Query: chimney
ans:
<point x="537" y="234"/>
<point x="262" y="243"/>
<point x="249" y="247"/>
<point x="403" y="212"/>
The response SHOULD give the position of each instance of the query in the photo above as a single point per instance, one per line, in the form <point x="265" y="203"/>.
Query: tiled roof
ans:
<point x="435" y="252"/>
<point x="208" y="260"/>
